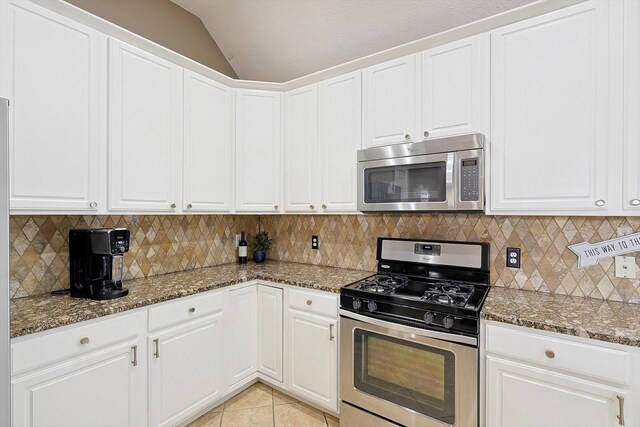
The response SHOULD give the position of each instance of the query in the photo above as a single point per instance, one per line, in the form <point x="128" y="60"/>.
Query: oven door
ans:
<point x="415" y="183"/>
<point x="408" y="375"/>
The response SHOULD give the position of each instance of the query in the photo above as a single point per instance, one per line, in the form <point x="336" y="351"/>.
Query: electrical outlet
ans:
<point x="626" y="267"/>
<point x="315" y="242"/>
<point x="238" y="236"/>
<point x="513" y="257"/>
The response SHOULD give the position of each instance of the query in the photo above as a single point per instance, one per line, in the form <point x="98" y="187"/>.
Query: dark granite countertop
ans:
<point x="35" y="314"/>
<point x="610" y="321"/>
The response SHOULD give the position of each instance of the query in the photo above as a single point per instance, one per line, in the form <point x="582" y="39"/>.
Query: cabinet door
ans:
<point x="257" y="151"/>
<point x="270" y="331"/>
<point x="525" y="396"/>
<point x="301" y="150"/>
<point x="104" y="389"/>
<point x="390" y="100"/>
<point x="455" y="88"/>
<point x="185" y="370"/>
<point x="242" y="334"/>
<point x="53" y="71"/>
<point x="551" y="149"/>
<point x="631" y="178"/>
<point x="340" y="108"/>
<point x="207" y="166"/>
<point x="312" y="358"/>
<point x="145" y="130"/>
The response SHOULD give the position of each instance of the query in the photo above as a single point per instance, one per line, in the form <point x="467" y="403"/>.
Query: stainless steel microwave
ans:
<point x="445" y="174"/>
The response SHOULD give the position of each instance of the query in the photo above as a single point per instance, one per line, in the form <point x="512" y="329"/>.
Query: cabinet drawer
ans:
<point x="184" y="309"/>
<point x="77" y="340"/>
<point x="314" y="302"/>
<point x="558" y="353"/>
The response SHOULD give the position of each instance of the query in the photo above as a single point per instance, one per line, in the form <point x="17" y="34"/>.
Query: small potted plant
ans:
<point x="260" y="245"/>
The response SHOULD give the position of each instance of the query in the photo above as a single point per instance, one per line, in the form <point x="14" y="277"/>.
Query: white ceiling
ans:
<point x="279" y="40"/>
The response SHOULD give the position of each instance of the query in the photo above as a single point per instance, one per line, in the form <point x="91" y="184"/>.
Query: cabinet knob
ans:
<point x="173" y="205"/>
<point x="426" y="134"/>
<point x="311" y="207"/>
<point x="275" y="207"/>
<point x="407" y="137"/>
<point x="309" y="302"/>
<point x="189" y="206"/>
<point x="85" y="341"/>
<point x="192" y="310"/>
<point x="600" y="202"/>
<point x="634" y="202"/>
<point x="93" y="204"/>
<point x="324" y="206"/>
<point x="550" y="354"/>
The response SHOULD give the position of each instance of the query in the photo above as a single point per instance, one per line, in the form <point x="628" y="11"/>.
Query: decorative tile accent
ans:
<point x="163" y="244"/>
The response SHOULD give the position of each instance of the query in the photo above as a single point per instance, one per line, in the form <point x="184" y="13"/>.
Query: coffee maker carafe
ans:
<point x="96" y="258"/>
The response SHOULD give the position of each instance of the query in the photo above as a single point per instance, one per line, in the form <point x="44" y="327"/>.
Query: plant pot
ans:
<point x="259" y="256"/>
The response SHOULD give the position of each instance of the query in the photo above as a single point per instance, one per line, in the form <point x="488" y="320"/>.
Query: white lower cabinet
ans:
<point x="270" y="330"/>
<point x="541" y="379"/>
<point x="311" y="352"/>
<point x="185" y="370"/>
<point x="242" y="333"/>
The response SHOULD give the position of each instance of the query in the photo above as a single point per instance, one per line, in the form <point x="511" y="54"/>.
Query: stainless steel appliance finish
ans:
<point x="445" y="174"/>
<point x="409" y="335"/>
<point x="465" y="360"/>
<point x="5" y="399"/>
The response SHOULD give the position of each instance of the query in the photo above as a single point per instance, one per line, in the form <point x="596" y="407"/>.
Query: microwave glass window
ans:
<point x="409" y="374"/>
<point x="406" y="183"/>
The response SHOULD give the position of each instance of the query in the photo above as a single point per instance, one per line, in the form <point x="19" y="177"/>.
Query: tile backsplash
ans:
<point x="163" y="244"/>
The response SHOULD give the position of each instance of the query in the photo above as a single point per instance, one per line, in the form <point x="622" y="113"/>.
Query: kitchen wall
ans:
<point x="165" y="23"/>
<point x="163" y="244"/>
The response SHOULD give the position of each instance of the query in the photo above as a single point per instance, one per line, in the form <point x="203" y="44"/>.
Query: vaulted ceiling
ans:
<point x="279" y="40"/>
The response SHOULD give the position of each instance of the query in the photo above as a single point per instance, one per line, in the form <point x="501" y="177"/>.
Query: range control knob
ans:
<point x="428" y="317"/>
<point x="356" y="304"/>
<point x="448" y="322"/>
<point x="372" y="306"/>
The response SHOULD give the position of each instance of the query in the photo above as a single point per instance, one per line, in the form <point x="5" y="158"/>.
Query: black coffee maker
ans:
<point x="96" y="258"/>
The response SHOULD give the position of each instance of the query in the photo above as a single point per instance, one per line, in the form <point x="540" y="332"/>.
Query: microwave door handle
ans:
<point x="451" y="202"/>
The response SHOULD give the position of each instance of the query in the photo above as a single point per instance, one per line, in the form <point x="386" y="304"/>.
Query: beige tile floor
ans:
<point x="259" y="406"/>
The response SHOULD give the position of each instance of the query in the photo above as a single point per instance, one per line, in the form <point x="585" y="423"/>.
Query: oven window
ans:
<point x="412" y="375"/>
<point x="424" y="182"/>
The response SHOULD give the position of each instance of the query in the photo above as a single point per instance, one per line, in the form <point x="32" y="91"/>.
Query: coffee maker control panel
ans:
<point x="120" y="241"/>
<point x="109" y="241"/>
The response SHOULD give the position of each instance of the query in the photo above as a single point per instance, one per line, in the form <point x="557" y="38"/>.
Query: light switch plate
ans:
<point x="626" y="267"/>
<point x="238" y="236"/>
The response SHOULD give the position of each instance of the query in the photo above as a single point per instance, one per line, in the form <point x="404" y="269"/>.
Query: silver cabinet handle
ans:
<point x="156" y="348"/>
<point x="189" y="206"/>
<point x="173" y="205"/>
<point x="550" y="354"/>
<point x="635" y="202"/>
<point x="407" y="137"/>
<point x="93" y="204"/>
<point x="331" y="336"/>
<point x="134" y="361"/>
<point x="192" y="310"/>
<point x="309" y="302"/>
<point x="600" y="202"/>
<point x="311" y="207"/>
<point x="426" y="134"/>
<point x="620" y="410"/>
<point x="324" y="206"/>
<point x="275" y="207"/>
<point x="85" y="341"/>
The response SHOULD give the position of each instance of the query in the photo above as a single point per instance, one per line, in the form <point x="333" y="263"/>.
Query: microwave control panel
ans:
<point x="469" y="180"/>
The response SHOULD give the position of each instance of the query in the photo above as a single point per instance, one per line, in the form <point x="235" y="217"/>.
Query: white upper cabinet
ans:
<point x="551" y="112"/>
<point x="53" y="71"/>
<point x="338" y="141"/>
<point x="455" y="88"/>
<point x="207" y="162"/>
<point x="145" y="130"/>
<point x="631" y="138"/>
<point x="390" y="100"/>
<point x="301" y="150"/>
<point x="257" y="151"/>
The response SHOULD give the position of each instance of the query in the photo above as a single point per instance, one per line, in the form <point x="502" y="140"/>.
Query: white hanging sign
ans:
<point x="590" y="253"/>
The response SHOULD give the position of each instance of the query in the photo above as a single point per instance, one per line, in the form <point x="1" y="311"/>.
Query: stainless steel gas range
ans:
<point x="409" y="336"/>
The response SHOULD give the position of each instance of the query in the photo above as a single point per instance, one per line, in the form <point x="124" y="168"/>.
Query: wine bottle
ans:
<point x="242" y="249"/>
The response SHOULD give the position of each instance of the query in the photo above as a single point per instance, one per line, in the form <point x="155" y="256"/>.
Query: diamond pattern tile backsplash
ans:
<point x="163" y="244"/>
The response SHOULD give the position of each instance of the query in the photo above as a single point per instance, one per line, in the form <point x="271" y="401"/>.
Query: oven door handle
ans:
<point x="461" y="339"/>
